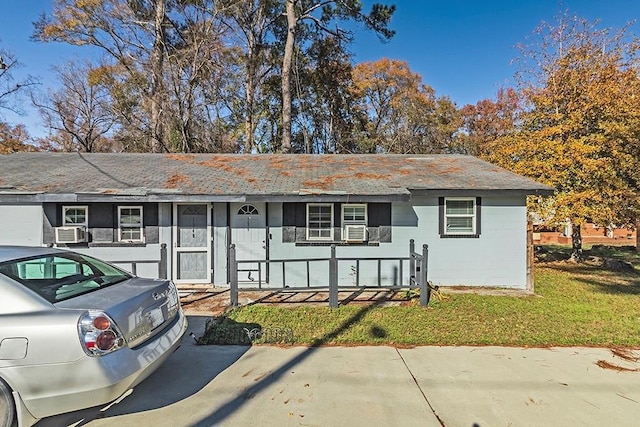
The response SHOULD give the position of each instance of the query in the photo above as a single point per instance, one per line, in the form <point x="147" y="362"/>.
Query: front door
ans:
<point x="192" y="243"/>
<point x="248" y="233"/>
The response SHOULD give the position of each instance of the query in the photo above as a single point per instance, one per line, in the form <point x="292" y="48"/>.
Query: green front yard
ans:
<point x="574" y="305"/>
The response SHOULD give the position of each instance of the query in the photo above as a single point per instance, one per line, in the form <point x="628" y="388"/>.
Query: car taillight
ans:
<point x="99" y="335"/>
<point x="173" y="300"/>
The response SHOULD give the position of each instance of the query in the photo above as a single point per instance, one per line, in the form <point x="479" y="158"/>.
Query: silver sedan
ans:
<point x="76" y="332"/>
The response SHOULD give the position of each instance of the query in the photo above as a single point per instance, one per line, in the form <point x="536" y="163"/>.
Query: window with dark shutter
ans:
<point x="311" y="222"/>
<point x="459" y="217"/>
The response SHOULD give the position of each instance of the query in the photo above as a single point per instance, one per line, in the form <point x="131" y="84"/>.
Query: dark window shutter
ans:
<point x="379" y="217"/>
<point x="379" y="214"/>
<point x="150" y="221"/>
<point x="441" y="216"/>
<point x="294" y="221"/>
<point x="288" y="214"/>
<point x="478" y="215"/>
<point x="294" y="214"/>
<point x="52" y="219"/>
<point x="301" y="215"/>
<point x="441" y="220"/>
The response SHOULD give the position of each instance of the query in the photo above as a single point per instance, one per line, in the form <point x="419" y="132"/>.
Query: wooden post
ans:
<point x="333" y="278"/>
<point x="530" y="256"/>
<point x="412" y="261"/>
<point x="162" y="266"/>
<point x="425" y="290"/>
<point x="233" y="276"/>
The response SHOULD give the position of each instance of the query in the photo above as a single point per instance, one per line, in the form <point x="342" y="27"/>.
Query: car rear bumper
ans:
<point x="93" y="381"/>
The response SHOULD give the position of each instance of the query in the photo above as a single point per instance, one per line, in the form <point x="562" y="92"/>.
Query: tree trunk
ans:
<point x="286" y="75"/>
<point x="638" y="235"/>
<point x="157" y="67"/>
<point x="249" y="95"/>
<point x="576" y="243"/>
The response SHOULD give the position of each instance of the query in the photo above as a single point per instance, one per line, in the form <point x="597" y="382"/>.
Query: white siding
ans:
<point x="21" y="225"/>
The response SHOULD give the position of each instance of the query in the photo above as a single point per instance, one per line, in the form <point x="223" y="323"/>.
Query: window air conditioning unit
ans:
<point x="71" y="235"/>
<point x="355" y="233"/>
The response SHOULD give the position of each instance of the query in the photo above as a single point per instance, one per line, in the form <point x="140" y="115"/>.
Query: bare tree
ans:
<point x="79" y="110"/>
<point x="132" y="33"/>
<point x="10" y="87"/>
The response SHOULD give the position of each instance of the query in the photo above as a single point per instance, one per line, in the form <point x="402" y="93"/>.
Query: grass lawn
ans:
<point x="574" y="305"/>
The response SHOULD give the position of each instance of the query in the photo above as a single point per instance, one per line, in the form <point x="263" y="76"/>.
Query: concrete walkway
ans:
<point x="377" y="386"/>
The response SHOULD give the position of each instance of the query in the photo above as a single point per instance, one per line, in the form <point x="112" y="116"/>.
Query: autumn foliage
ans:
<point x="277" y="75"/>
<point x="580" y="128"/>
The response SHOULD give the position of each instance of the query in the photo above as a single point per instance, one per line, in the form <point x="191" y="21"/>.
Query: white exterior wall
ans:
<point x="21" y="225"/>
<point x="496" y="258"/>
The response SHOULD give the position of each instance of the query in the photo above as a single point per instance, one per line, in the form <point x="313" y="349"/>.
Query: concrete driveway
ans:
<point x="377" y="386"/>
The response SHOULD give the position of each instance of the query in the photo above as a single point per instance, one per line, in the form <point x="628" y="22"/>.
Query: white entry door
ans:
<point x="192" y="243"/>
<point x="248" y="233"/>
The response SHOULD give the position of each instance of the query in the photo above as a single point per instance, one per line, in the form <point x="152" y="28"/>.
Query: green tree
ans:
<point x="323" y="105"/>
<point x="252" y="24"/>
<point x="324" y="18"/>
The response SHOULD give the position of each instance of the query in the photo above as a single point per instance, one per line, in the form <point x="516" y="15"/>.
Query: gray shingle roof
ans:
<point x="62" y="176"/>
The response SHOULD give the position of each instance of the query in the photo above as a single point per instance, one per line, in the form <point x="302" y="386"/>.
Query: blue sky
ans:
<point x="461" y="48"/>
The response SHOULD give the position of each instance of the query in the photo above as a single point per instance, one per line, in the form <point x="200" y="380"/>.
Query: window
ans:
<point x="354" y="214"/>
<point x="354" y="222"/>
<point x="248" y="210"/>
<point x="130" y="224"/>
<point x="460" y="216"/>
<point x="75" y="216"/>
<point x="62" y="276"/>
<point x="335" y="222"/>
<point x="319" y="221"/>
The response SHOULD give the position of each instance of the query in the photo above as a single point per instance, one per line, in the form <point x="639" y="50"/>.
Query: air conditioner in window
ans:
<point x="355" y="233"/>
<point x="71" y="235"/>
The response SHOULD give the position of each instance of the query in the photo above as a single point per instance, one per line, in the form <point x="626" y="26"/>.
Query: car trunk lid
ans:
<point x="141" y="308"/>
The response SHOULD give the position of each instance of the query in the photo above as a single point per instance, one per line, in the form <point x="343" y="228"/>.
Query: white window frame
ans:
<point x="84" y="224"/>
<point x="309" y="237"/>
<point x="139" y="225"/>
<point x="365" y="221"/>
<point x="473" y="216"/>
<point x="248" y="210"/>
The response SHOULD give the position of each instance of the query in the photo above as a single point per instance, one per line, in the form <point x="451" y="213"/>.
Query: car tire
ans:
<point x="7" y="407"/>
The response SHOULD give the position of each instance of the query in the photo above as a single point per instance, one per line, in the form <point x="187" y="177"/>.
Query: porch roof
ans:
<point x="78" y="177"/>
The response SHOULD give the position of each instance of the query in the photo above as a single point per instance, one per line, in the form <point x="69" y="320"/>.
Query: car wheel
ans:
<point x="7" y="408"/>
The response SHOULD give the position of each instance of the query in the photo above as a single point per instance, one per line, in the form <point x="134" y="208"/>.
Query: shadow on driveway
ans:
<point x="190" y="369"/>
<point x="184" y="373"/>
<point x="225" y="410"/>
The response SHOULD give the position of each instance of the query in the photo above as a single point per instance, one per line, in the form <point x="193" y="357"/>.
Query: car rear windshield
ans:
<point x="60" y="276"/>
